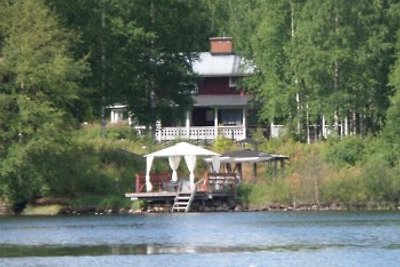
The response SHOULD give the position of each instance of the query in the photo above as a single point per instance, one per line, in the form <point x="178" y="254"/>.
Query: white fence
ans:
<point x="200" y="133"/>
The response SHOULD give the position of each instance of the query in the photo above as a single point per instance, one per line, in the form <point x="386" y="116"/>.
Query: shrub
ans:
<point x="347" y="151"/>
<point x="381" y="181"/>
<point x="347" y="187"/>
<point x="265" y="193"/>
<point x="115" y="202"/>
<point x="223" y="144"/>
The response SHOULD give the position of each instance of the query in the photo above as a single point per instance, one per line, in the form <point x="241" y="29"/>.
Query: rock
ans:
<point x="208" y="209"/>
<point x="335" y="206"/>
<point x="4" y="208"/>
<point x="314" y="207"/>
<point x="223" y="207"/>
<point x="238" y="208"/>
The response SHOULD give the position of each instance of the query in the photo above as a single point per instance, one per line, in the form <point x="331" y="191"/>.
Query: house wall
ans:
<point x="216" y="86"/>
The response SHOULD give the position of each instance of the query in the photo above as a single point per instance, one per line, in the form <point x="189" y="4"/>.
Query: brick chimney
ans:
<point x="221" y="45"/>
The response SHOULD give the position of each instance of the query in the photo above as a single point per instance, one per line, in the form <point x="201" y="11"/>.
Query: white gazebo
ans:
<point x="174" y="154"/>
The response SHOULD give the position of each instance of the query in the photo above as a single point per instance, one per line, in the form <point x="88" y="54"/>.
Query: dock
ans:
<point x="216" y="190"/>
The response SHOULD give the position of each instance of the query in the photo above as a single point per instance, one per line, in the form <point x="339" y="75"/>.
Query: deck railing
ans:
<point x="200" y="133"/>
<point x="158" y="180"/>
<point x="221" y="183"/>
<point x="212" y="183"/>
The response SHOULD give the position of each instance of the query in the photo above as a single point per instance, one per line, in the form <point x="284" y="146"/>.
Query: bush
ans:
<point x="104" y="202"/>
<point x="347" y="151"/>
<point x="381" y="181"/>
<point x="264" y="193"/>
<point x="115" y="202"/>
<point x="223" y="144"/>
<point x="347" y="188"/>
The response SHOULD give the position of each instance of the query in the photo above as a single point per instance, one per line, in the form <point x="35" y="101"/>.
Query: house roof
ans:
<point x="217" y="65"/>
<point x="222" y="100"/>
<point x="246" y="155"/>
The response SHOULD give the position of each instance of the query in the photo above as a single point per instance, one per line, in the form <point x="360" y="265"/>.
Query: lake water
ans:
<point x="203" y="239"/>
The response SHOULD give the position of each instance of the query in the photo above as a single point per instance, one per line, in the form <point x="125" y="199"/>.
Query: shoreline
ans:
<point x="52" y="210"/>
<point x="62" y="206"/>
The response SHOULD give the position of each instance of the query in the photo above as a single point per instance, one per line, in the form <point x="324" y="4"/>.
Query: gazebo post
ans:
<point x="239" y="170"/>
<point x="254" y="171"/>
<point x="228" y="167"/>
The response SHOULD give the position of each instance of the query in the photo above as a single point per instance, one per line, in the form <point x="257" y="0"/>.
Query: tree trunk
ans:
<point x="103" y="71"/>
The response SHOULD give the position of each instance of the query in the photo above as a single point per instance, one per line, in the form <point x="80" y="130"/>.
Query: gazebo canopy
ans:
<point x="182" y="149"/>
<point x="248" y="156"/>
<point x="174" y="154"/>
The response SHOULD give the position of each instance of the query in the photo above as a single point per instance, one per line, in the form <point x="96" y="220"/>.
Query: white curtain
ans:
<point x="149" y="162"/>
<point x="191" y="164"/>
<point x="174" y="164"/>
<point x="216" y="163"/>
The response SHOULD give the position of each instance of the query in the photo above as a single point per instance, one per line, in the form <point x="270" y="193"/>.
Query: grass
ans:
<point x="113" y="202"/>
<point x="52" y="209"/>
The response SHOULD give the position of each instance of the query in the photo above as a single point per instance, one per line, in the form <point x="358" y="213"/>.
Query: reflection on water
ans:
<point x="148" y="249"/>
<point x="222" y="239"/>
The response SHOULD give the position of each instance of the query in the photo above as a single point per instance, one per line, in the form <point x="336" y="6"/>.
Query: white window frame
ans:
<point x="232" y="81"/>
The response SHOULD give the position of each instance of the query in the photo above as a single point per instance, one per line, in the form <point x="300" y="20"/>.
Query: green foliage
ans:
<point x="222" y="145"/>
<point x="28" y="130"/>
<point x="39" y="82"/>
<point x="262" y="194"/>
<point x="347" y="151"/>
<point x="347" y="187"/>
<point x="318" y="58"/>
<point x="121" y="133"/>
<point x="381" y="181"/>
<point x="353" y="172"/>
<point x="116" y="202"/>
<point x="37" y="57"/>
<point x="139" y="52"/>
<point x="104" y="202"/>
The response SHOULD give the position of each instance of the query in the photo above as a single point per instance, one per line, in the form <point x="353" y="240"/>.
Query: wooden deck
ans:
<point x="172" y="195"/>
<point x="162" y="194"/>
<point x="215" y="187"/>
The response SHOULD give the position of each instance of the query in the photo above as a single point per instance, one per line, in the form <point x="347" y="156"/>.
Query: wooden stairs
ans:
<point x="183" y="199"/>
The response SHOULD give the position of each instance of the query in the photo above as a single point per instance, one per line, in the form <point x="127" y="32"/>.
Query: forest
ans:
<point x="62" y="62"/>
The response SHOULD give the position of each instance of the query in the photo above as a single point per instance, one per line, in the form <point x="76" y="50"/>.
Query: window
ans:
<point x="210" y="115"/>
<point x="232" y="81"/>
<point x="231" y="117"/>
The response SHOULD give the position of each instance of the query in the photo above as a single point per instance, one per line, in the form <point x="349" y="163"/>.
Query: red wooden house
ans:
<point x="220" y="107"/>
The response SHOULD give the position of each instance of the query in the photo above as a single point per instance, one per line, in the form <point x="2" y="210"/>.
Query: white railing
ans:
<point x="200" y="133"/>
<point x="232" y="132"/>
